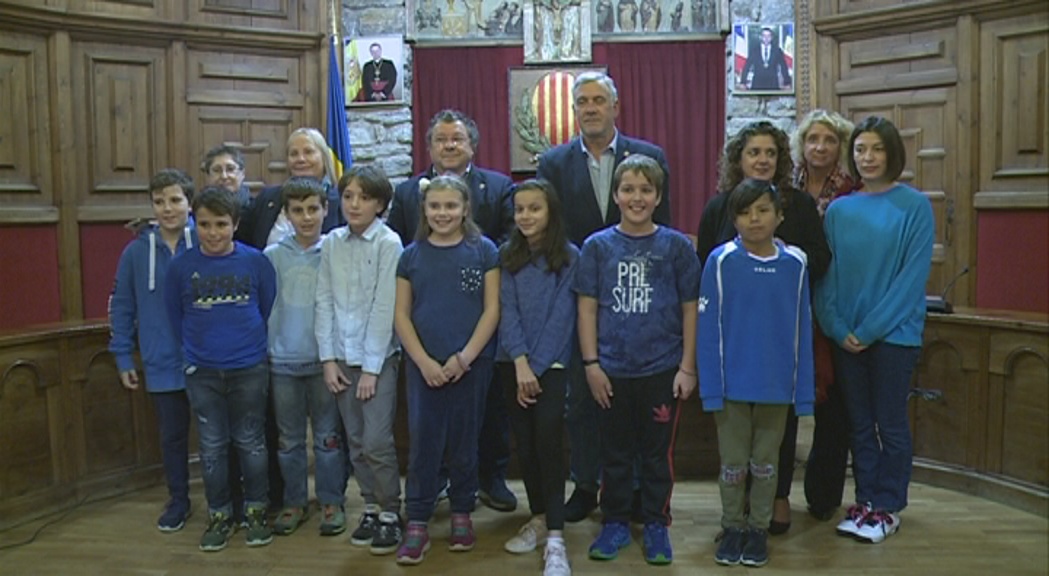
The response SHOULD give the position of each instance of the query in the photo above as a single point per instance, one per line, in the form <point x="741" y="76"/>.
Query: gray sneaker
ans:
<point x="259" y="531"/>
<point x="216" y="536"/>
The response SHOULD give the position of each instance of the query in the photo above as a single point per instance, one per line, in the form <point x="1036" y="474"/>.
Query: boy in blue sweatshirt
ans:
<point x="637" y="284"/>
<point x="137" y="316"/>
<point x="296" y="374"/>
<point x="218" y="297"/>
<point x="754" y="348"/>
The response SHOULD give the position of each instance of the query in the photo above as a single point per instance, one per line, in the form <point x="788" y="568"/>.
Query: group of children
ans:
<point x="318" y="322"/>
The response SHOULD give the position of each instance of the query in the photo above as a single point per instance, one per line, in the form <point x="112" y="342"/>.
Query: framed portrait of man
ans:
<point x="373" y="68"/>
<point x="763" y="60"/>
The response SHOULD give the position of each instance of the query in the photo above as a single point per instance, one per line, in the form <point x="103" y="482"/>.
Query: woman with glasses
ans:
<point x="223" y="166"/>
<point x="762" y="151"/>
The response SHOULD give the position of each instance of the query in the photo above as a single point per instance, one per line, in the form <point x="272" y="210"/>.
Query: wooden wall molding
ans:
<point x="81" y="24"/>
<point x="1005" y="200"/>
<point x="28" y="214"/>
<point x="930" y="13"/>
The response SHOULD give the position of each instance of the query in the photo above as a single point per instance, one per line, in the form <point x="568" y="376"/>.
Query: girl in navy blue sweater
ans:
<point x="536" y="327"/>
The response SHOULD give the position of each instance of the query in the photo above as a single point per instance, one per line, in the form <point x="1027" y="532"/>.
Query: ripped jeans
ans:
<point x="296" y="399"/>
<point x="230" y="408"/>
<point x="749" y="436"/>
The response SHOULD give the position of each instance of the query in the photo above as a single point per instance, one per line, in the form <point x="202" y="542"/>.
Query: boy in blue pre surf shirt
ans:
<point x="637" y="284"/>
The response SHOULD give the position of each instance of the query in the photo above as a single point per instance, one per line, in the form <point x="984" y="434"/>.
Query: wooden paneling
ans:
<point x="145" y="9"/>
<point x="66" y="424"/>
<point x="260" y="134"/>
<point x="281" y="14"/>
<point x="239" y="79"/>
<point x="25" y="421"/>
<point x="1019" y="401"/>
<point x="916" y="59"/>
<point x="989" y="427"/>
<point x="944" y="430"/>
<point x="25" y="159"/>
<point x="122" y="135"/>
<point x="1014" y="111"/>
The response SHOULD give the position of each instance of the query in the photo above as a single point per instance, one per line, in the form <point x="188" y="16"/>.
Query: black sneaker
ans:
<point x="756" y="550"/>
<point x="580" y="505"/>
<point x="731" y="548"/>
<point x="366" y="528"/>
<point x="388" y="534"/>
<point x="498" y="496"/>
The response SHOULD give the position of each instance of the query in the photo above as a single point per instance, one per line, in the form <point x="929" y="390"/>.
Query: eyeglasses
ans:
<point x="223" y="169"/>
<point x="454" y="141"/>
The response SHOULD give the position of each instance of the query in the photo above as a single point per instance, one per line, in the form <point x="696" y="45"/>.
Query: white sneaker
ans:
<point x="855" y="518"/>
<point x="879" y="526"/>
<point x="556" y="560"/>
<point x="531" y="535"/>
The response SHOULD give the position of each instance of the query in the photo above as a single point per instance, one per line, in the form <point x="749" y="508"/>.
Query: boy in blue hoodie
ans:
<point x="218" y="297"/>
<point x="296" y="374"/>
<point x="137" y="316"/>
<point x="754" y="348"/>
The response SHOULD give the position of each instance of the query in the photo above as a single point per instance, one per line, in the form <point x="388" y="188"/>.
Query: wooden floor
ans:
<point x="942" y="532"/>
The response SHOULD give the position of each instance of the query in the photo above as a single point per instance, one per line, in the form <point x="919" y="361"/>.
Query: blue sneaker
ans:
<point x="657" y="544"/>
<point x="613" y="537"/>
<point x="174" y="516"/>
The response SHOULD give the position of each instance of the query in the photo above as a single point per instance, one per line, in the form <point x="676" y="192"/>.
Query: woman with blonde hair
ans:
<point x="820" y="150"/>
<point x="308" y="155"/>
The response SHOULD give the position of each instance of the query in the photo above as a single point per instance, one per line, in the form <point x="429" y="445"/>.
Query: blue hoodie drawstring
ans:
<point x="153" y="255"/>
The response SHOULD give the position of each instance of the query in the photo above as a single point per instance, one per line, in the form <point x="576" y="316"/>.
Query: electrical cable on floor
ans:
<point x="63" y="514"/>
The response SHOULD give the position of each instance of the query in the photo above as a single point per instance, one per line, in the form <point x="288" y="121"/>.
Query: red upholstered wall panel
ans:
<point x="1012" y="255"/>
<point x="100" y="249"/>
<point x="29" y="291"/>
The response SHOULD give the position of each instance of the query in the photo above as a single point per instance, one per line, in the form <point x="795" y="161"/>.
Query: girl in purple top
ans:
<point x="536" y="327"/>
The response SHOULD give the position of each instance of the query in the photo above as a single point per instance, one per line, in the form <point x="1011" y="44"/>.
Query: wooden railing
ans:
<point x="988" y="431"/>
<point x="68" y="430"/>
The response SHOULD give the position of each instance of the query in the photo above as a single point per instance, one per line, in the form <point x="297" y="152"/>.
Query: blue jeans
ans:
<point x="876" y="383"/>
<point x="230" y="406"/>
<point x="296" y="398"/>
<point x="173" y="420"/>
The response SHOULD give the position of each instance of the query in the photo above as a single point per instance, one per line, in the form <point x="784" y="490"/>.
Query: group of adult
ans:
<point x="820" y="163"/>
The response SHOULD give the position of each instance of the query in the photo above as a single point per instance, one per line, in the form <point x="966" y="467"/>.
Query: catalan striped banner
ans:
<point x="552" y="106"/>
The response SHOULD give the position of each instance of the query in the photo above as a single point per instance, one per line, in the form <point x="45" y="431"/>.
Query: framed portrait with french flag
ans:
<point x="763" y="59"/>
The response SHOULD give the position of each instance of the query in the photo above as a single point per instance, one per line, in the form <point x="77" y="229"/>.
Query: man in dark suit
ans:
<point x="581" y="171"/>
<point x="379" y="76"/>
<point x="766" y="67"/>
<point x="453" y="137"/>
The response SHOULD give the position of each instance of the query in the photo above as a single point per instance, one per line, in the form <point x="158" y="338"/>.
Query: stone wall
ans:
<point x="381" y="134"/>
<point x="742" y="109"/>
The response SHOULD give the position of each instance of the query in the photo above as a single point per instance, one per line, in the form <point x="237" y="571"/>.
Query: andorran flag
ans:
<point x="338" y="132"/>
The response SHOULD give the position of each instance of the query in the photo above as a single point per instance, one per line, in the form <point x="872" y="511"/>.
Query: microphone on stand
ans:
<point x="939" y="304"/>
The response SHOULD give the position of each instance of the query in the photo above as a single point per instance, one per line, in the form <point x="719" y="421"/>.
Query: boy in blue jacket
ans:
<point x="137" y="316"/>
<point x="754" y="348"/>
<point x="219" y="297"/>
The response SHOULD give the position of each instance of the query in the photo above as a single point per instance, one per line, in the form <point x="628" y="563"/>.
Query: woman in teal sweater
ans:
<point x="872" y="304"/>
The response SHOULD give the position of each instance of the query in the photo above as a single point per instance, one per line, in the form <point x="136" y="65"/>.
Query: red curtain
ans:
<point x="671" y="94"/>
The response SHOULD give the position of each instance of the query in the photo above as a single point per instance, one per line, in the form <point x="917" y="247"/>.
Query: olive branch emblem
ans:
<point x="527" y="127"/>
